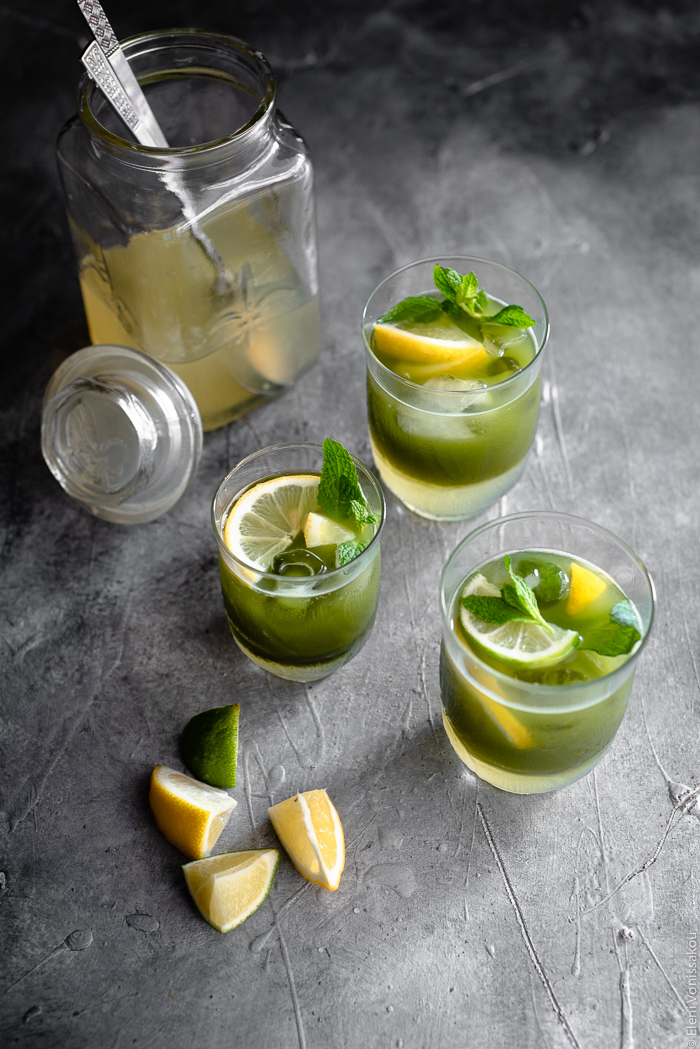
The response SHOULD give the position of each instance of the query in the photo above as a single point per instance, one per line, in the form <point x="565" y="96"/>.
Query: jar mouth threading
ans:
<point x="160" y="41"/>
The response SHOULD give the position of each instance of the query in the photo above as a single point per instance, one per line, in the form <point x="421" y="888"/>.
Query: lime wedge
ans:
<point x="264" y="521"/>
<point x="515" y="644"/>
<point x="209" y="745"/>
<point x="227" y="889"/>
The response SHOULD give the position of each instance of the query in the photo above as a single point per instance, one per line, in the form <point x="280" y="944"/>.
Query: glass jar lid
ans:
<point x="121" y="433"/>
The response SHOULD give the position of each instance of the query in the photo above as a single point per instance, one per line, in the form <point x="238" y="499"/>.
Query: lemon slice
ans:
<point x="227" y="889"/>
<point x="586" y="586"/>
<point x="265" y="519"/>
<point x="310" y="831"/>
<point x="188" y="813"/>
<point x="426" y="342"/>
<point x="515" y="644"/>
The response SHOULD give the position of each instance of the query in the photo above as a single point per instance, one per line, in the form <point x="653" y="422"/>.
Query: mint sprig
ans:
<point x="349" y="550"/>
<point x="462" y="298"/>
<point x="517" y="603"/>
<point x="339" y="494"/>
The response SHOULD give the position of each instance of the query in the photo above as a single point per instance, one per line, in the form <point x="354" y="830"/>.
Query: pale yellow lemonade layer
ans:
<point x="231" y="344"/>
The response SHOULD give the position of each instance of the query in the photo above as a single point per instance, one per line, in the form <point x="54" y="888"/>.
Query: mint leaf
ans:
<point x="414" y="309"/>
<point x="494" y="610"/>
<point x="521" y="596"/>
<point x="551" y="579"/>
<point x="467" y="290"/>
<point x="619" y="636"/>
<point x="339" y="494"/>
<point x="349" y="550"/>
<point x="449" y="282"/>
<point x="625" y="614"/>
<point x="512" y="316"/>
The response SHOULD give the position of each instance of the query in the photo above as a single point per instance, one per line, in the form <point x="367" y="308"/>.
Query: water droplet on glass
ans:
<point x="443" y="847"/>
<point x="356" y="910"/>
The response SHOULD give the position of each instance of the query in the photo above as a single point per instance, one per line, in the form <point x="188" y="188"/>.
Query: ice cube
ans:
<point x="451" y="382"/>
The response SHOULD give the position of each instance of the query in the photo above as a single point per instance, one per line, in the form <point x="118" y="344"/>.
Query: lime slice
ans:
<point x="209" y="745"/>
<point x="191" y="815"/>
<point x="515" y="644"/>
<point x="319" y="530"/>
<point x="227" y="889"/>
<point x="266" y="518"/>
<point x="310" y="831"/>
<point x="426" y="342"/>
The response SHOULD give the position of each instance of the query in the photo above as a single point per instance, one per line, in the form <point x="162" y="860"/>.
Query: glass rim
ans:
<point x="527" y="686"/>
<point x="331" y="573"/>
<point x="433" y="259"/>
<point x="158" y="39"/>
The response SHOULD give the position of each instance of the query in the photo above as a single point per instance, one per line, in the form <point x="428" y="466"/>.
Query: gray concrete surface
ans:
<point x="562" y="140"/>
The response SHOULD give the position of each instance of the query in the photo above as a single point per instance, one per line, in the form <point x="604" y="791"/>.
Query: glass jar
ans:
<point x="202" y="255"/>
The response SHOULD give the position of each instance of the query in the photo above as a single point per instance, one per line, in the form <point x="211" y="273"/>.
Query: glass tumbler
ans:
<point x="446" y="450"/>
<point x="297" y="627"/>
<point x="202" y="255"/>
<point x="526" y="736"/>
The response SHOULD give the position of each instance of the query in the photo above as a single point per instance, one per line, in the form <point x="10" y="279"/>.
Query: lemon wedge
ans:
<point x="264" y="521"/>
<point x="427" y="342"/>
<point x="585" y="587"/>
<point x="319" y="530"/>
<point x="189" y="814"/>
<point x="227" y="889"/>
<point x="310" y="830"/>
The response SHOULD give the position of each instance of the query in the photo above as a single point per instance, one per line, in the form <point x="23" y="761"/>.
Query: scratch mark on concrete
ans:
<point x="426" y="695"/>
<point x="259" y="943"/>
<point x="292" y="985"/>
<point x="691" y="653"/>
<point x="684" y="805"/>
<point x="662" y="770"/>
<point x="471" y="845"/>
<point x="251" y="748"/>
<point x="77" y="940"/>
<point x="320" y="732"/>
<point x="524" y="931"/>
<point x="494" y="79"/>
<point x="601" y="834"/>
<point x="661" y="969"/>
<point x="576" y="896"/>
<point x="626" y="1017"/>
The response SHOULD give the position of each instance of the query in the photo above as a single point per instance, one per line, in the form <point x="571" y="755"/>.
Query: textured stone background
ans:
<point x="562" y="139"/>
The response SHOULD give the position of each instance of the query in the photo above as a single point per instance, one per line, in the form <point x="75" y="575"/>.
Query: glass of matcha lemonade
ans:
<point x="544" y="618"/>
<point x="454" y="355"/>
<point x="298" y="528"/>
